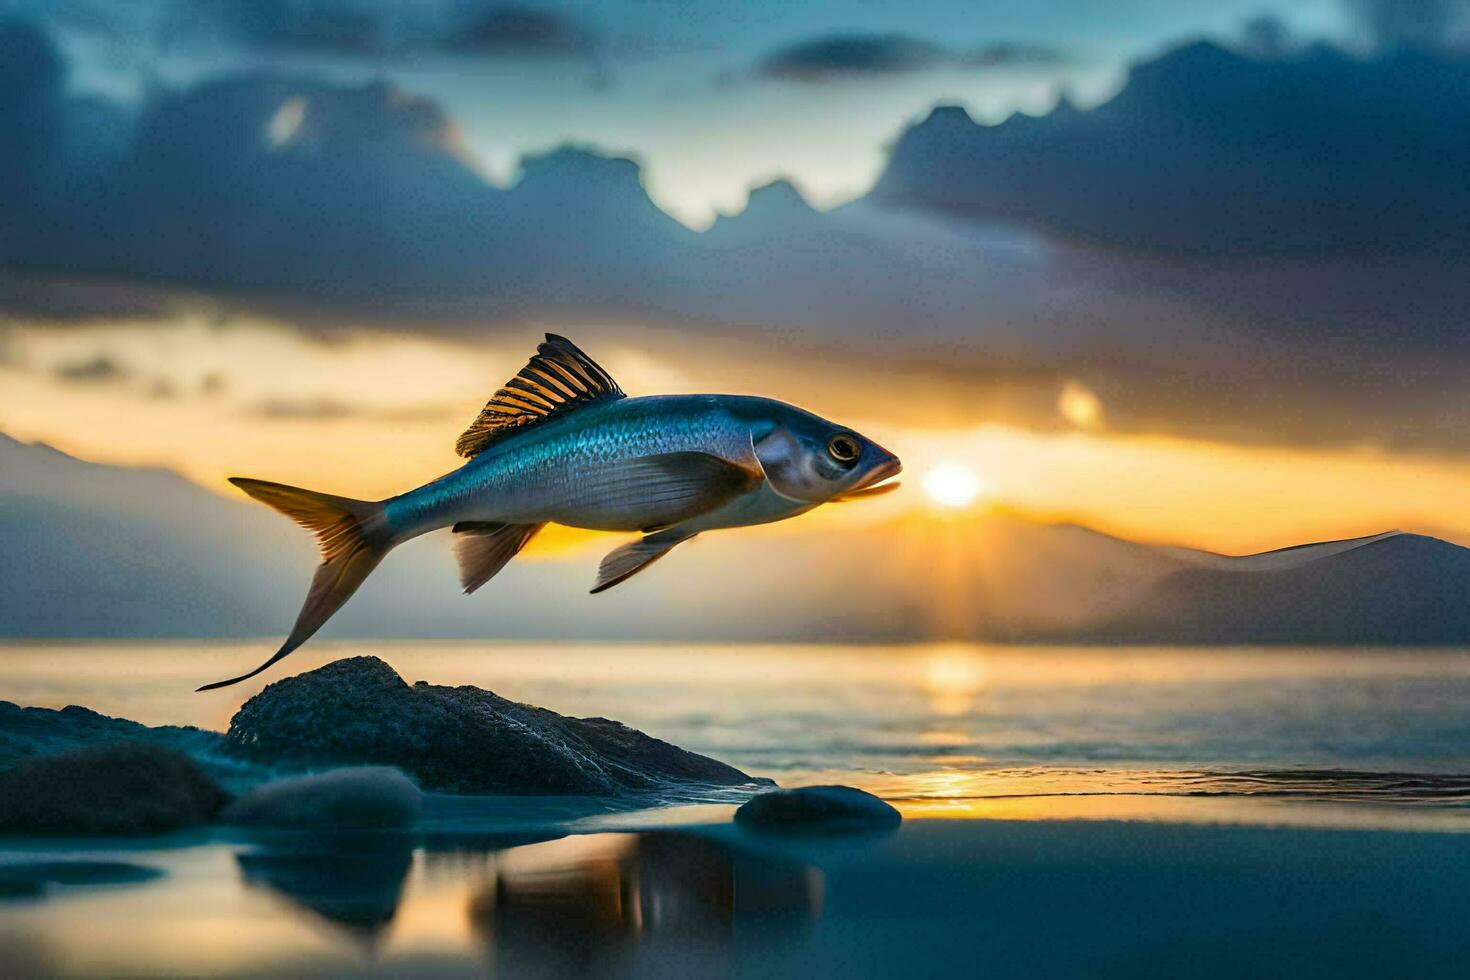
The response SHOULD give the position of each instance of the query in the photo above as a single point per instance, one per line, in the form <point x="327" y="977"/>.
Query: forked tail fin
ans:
<point x="353" y="539"/>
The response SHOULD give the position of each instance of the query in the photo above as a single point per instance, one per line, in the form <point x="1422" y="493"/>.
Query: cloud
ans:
<point x="313" y="408"/>
<point x="362" y="29"/>
<point x="59" y="151"/>
<point x="291" y="189"/>
<point x="339" y="27"/>
<point x="1267" y="36"/>
<point x="32" y="65"/>
<point x="846" y="56"/>
<point x="317" y="409"/>
<point x="1208" y="152"/>
<point x="32" y="75"/>
<point x="99" y="368"/>
<point x="511" y="31"/>
<point x="1011" y="53"/>
<point x="70" y="299"/>
<point x="1181" y="251"/>
<point x="524" y="31"/>
<point x="1426" y="24"/>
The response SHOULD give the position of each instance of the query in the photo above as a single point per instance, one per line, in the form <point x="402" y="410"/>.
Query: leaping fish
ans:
<point x="560" y="443"/>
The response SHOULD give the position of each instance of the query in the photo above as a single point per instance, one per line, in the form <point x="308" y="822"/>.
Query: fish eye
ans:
<point x="844" y="448"/>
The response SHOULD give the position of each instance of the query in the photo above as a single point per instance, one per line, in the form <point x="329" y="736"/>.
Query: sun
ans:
<point x="952" y="485"/>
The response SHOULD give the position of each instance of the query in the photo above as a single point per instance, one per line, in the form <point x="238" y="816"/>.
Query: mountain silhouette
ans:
<point x="1393" y="589"/>
<point x="94" y="550"/>
<point x="97" y="550"/>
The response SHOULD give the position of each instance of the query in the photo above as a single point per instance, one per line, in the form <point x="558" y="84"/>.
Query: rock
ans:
<point x="367" y="796"/>
<point x="30" y="733"/>
<point x="818" y="808"/>
<point x="456" y="739"/>
<point x="121" y="788"/>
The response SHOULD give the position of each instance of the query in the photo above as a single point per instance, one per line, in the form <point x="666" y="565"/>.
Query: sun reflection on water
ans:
<point x="954" y="676"/>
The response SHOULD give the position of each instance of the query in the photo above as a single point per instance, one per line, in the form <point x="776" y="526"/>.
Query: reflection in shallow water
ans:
<point x="323" y="903"/>
<point x="954" y="677"/>
<point x="32" y="879"/>
<point x="351" y="882"/>
<point x="581" y="905"/>
<point x="548" y="908"/>
<point x="936" y="899"/>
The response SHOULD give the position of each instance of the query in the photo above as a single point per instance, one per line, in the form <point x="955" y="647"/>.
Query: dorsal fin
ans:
<point x="558" y="379"/>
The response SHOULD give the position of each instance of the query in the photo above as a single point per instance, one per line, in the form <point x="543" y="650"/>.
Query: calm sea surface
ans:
<point x="913" y="722"/>
<point x="1100" y="812"/>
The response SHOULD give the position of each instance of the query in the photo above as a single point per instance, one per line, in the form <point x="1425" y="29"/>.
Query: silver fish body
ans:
<point x="581" y="470"/>
<point x="560" y="443"/>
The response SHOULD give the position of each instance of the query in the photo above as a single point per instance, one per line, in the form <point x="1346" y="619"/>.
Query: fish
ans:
<point x="561" y="443"/>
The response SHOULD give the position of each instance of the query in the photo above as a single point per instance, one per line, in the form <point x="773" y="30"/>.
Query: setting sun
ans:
<point x="952" y="485"/>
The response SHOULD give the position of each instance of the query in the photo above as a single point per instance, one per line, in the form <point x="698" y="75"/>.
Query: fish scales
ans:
<point x="548" y="473"/>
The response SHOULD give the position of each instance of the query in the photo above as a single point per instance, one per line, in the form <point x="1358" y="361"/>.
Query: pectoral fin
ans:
<point x="623" y="562"/>
<point x="483" y="549"/>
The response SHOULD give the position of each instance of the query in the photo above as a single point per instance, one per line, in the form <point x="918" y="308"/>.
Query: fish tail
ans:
<point x="353" y="537"/>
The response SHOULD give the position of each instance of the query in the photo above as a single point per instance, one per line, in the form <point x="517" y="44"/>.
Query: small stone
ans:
<point x="835" y="809"/>
<point x="364" y="797"/>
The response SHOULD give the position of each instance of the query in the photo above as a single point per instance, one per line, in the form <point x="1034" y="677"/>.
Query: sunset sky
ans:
<point x="304" y="247"/>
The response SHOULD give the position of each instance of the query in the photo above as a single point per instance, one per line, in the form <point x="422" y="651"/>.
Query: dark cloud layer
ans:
<point x="524" y="30"/>
<point x="291" y="409"/>
<point x="851" y="54"/>
<point x="327" y="26"/>
<point x="1424" y="24"/>
<point x="357" y="198"/>
<point x="845" y="56"/>
<point x="1209" y="152"/>
<point x="368" y="29"/>
<point x="1257" y="260"/>
<point x="99" y="368"/>
<point x="61" y="298"/>
<point x="31" y="79"/>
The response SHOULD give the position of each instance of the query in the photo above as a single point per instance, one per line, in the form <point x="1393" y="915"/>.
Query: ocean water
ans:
<point x="1068" y="812"/>
<point x="935" y="724"/>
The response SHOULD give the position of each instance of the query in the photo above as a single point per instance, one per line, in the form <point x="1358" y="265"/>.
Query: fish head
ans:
<point x="810" y="459"/>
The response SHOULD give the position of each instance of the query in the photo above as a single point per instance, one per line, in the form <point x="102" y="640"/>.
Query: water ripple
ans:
<point x="1305" y="785"/>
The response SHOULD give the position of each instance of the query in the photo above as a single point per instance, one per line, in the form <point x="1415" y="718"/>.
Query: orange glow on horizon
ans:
<point x="371" y="415"/>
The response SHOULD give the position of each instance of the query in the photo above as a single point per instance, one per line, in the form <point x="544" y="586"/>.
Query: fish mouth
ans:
<point x="869" y="484"/>
<point x="892" y="466"/>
